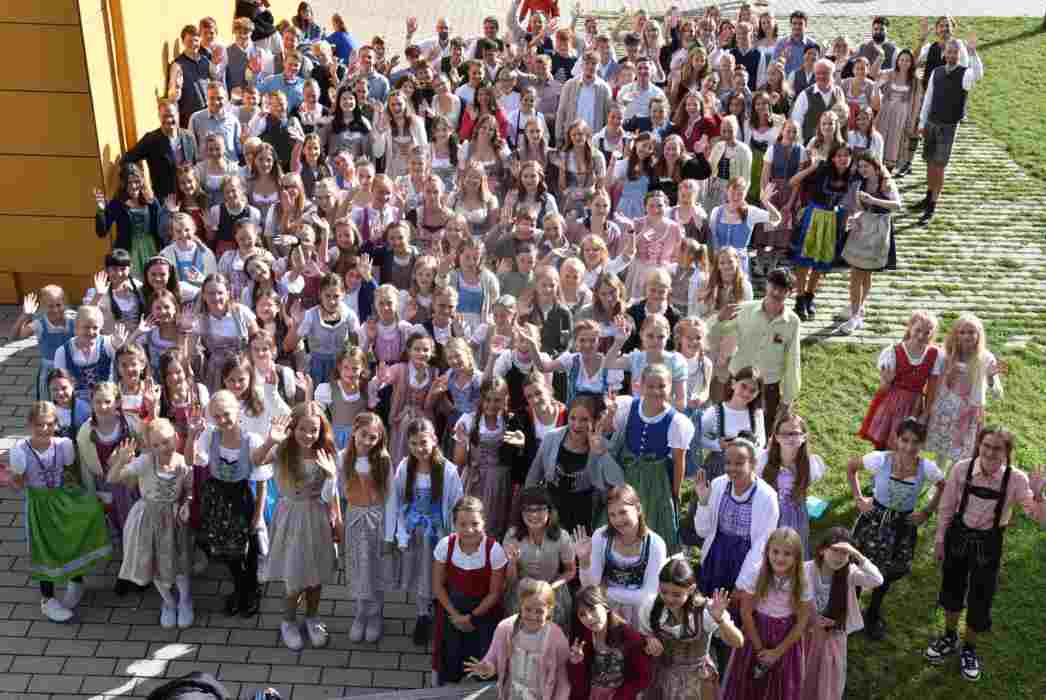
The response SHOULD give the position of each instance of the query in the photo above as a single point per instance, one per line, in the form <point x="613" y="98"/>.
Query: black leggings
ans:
<point x="244" y="572"/>
<point x="47" y="587"/>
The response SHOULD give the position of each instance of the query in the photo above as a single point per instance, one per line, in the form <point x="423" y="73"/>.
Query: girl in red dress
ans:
<point x="908" y="375"/>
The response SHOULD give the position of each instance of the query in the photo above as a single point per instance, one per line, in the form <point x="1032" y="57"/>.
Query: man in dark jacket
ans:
<point x="164" y="149"/>
<point x="195" y="67"/>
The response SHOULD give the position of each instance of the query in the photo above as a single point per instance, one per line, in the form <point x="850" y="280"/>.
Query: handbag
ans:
<point x="868" y="243"/>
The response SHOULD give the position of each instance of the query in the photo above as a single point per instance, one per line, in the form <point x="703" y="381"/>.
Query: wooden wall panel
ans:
<point x="39" y="12"/>
<point x="47" y="186"/>
<point x="42" y="58"/>
<point x="8" y="290"/>
<point x="52" y="124"/>
<point x="51" y="245"/>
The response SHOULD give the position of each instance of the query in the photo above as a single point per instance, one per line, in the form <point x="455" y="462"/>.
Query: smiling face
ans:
<point x="307" y="431"/>
<point x="216" y="297"/>
<point x="595" y="618"/>
<point x="468" y="525"/>
<point x="238" y="381"/>
<point x="675" y="597"/>
<point x="535" y="613"/>
<point x="579" y="422"/>
<point x="420" y="351"/>
<point x="88" y="328"/>
<point x="783" y="559"/>
<point x="61" y="390"/>
<point x="624" y="518"/>
<point x="738" y="467"/>
<point x="657" y="388"/>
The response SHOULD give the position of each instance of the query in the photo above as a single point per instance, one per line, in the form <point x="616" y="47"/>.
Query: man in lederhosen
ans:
<point x="976" y="506"/>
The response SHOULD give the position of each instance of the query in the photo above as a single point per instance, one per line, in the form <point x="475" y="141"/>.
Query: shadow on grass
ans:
<point x="995" y="43"/>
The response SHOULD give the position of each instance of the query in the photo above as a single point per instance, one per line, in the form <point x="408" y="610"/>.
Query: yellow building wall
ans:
<point x="82" y="90"/>
<point x="48" y="151"/>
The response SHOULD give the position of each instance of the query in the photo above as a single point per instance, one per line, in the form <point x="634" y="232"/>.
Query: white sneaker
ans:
<point x="168" y="616"/>
<point x="358" y="629"/>
<point x="852" y="325"/>
<point x="74" y="593"/>
<point x="844" y="314"/>
<point x="55" y="611"/>
<point x="291" y="635"/>
<point x="318" y="636"/>
<point x="185" y="615"/>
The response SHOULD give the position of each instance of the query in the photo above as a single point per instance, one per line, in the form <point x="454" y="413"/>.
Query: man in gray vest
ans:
<point x="822" y="96"/>
<point x="943" y="108"/>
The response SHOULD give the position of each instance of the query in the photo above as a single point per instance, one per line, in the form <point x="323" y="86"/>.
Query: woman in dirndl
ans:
<point x="819" y="234"/>
<point x="870" y="245"/>
<point x="885" y="530"/>
<point x="223" y="325"/>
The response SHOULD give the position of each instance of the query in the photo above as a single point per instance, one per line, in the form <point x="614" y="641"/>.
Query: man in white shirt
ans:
<point x="943" y="108"/>
<point x="586" y="97"/>
<point x="638" y="94"/>
<point x="217" y="119"/>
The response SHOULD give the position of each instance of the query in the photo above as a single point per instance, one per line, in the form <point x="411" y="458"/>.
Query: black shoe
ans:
<point x="905" y="169"/>
<point x="922" y="203"/>
<point x="800" y="308"/>
<point x="422" y="628"/>
<point x="875" y="628"/>
<point x="927" y="216"/>
<point x="122" y="587"/>
<point x="249" y="607"/>
<point x="232" y="604"/>
<point x="969" y="664"/>
<point x="811" y="308"/>
<point x="941" y="648"/>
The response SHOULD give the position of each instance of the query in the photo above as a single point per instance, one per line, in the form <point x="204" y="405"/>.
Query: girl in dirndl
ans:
<point x="65" y="528"/>
<point x="624" y="557"/>
<point x="486" y="444"/>
<point x="52" y="329"/>
<point x="721" y="422"/>
<point x="88" y="355"/>
<point x="366" y="479"/>
<point x="328" y="327"/>
<point x="886" y="527"/>
<point x="650" y="442"/>
<point x="229" y="513"/>
<point x="819" y="235"/>
<point x="529" y="651"/>
<point x="870" y="245"/>
<point x="775" y="610"/>
<point x="909" y="373"/>
<point x="305" y="528"/>
<point x="539" y="549"/>
<point x="72" y="412"/>
<point x="607" y="659"/>
<point x="468" y="578"/>
<point x="458" y="389"/>
<point x="345" y="397"/>
<point x="223" y="325"/>
<point x="157" y="544"/>
<point x="418" y="514"/>
<point x="96" y="442"/>
<point x="791" y="469"/>
<point x="386" y="333"/>
<point x="780" y="165"/>
<point x="678" y="624"/>
<point x="970" y="372"/>
<point x="837" y="573"/>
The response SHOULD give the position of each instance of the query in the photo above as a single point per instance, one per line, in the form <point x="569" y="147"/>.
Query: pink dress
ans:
<point x="653" y="250"/>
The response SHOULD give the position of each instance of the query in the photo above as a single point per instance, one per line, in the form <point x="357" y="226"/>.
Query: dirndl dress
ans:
<point x="822" y="225"/>
<point x="301" y="549"/>
<point x="646" y="460"/>
<point x="370" y="573"/>
<point x="156" y="543"/>
<point x="633" y="192"/>
<point x="542" y="563"/>
<point x="685" y="668"/>
<point x="490" y="480"/>
<point x="901" y="399"/>
<point x="784" y="679"/>
<point x="731" y="543"/>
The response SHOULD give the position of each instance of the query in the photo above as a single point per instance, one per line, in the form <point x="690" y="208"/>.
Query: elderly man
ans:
<point x="216" y="118"/>
<point x="822" y="96"/>
<point x="434" y="48"/>
<point x="943" y="108"/>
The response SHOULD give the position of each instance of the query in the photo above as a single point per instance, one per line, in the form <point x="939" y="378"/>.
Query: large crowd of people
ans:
<point x="468" y="322"/>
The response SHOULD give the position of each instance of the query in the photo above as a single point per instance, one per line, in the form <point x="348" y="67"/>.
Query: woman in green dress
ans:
<point x="136" y="214"/>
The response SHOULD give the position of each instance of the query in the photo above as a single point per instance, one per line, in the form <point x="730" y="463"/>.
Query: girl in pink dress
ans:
<point x="908" y="374"/>
<point x="657" y="240"/>
<point x="835" y="573"/>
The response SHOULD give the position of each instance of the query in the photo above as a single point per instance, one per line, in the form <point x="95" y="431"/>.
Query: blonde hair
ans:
<point x="393" y="294"/>
<point x="87" y="313"/>
<point x="977" y="365"/>
<point x="52" y="291"/>
<point x="783" y="537"/>
<point x="461" y="345"/>
<point x="921" y="316"/>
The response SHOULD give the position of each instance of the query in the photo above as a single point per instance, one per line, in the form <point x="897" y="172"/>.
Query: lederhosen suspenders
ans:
<point x="984" y="545"/>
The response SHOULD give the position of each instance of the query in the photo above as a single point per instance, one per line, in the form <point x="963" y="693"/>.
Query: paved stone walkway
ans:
<point x="983" y="253"/>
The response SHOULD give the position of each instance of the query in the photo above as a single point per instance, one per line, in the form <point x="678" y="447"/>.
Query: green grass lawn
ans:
<point x="1010" y="103"/>
<point x="838" y="382"/>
